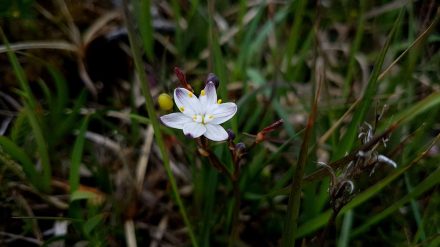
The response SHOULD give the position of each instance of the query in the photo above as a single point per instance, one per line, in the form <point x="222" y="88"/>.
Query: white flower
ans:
<point x="200" y="116"/>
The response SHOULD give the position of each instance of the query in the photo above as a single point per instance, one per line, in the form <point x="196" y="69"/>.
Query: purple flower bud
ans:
<point x="231" y="135"/>
<point x="214" y="79"/>
<point x="240" y="147"/>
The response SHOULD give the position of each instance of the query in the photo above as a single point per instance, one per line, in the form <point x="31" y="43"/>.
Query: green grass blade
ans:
<point x="42" y="149"/>
<point x="314" y="224"/>
<point x="78" y="195"/>
<point x="298" y="12"/>
<point x="143" y="13"/>
<point x="20" y="155"/>
<point x="77" y="154"/>
<point x="415" y="209"/>
<point x="428" y="183"/>
<point x="92" y="223"/>
<point x="19" y="72"/>
<point x="359" y="115"/>
<point x="346" y="229"/>
<point x="62" y="96"/>
<point x="30" y="106"/>
<point x="353" y="50"/>
<point x="291" y="222"/>
<point x="428" y="103"/>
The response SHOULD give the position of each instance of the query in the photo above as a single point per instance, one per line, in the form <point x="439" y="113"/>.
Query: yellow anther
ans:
<point x="195" y="117"/>
<point x="190" y="94"/>
<point x="203" y="93"/>
<point x="219" y="101"/>
<point x="181" y="109"/>
<point x="211" y="117"/>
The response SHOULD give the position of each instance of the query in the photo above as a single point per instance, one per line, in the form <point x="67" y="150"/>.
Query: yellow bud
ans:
<point x="165" y="102"/>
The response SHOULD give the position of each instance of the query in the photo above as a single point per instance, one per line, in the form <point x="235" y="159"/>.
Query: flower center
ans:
<point x="202" y="118"/>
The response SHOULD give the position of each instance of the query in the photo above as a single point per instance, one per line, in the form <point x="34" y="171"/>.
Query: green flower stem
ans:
<point x="137" y="57"/>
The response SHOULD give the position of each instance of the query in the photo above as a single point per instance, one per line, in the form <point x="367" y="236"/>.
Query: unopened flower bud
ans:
<point x="240" y="147"/>
<point x="212" y="77"/>
<point x="165" y="102"/>
<point x="182" y="78"/>
<point x="261" y="136"/>
<point x="231" y="135"/>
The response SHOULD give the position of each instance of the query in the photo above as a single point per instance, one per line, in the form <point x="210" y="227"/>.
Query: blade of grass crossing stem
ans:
<point x="29" y="109"/>
<point x="291" y="223"/>
<point x="320" y="220"/>
<point x="18" y="154"/>
<point x="428" y="183"/>
<point x="137" y="57"/>
<point x="359" y="115"/>
<point x="77" y="154"/>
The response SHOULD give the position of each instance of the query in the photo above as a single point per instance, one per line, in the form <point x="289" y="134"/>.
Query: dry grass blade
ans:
<point x="130" y="235"/>
<point x="143" y="157"/>
<point x="55" y="44"/>
<point x="93" y="31"/>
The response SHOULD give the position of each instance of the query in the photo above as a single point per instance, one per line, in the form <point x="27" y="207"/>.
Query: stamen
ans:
<point x="195" y="117"/>
<point x="219" y="101"/>
<point x="211" y="117"/>
<point x="181" y="109"/>
<point x="203" y="93"/>
<point x="190" y="94"/>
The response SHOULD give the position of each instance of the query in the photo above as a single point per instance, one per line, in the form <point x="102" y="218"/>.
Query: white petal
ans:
<point x="210" y="97"/>
<point x="193" y="129"/>
<point x="215" y="132"/>
<point x="222" y="112"/>
<point x="187" y="102"/>
<point x="175" y="120"/>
